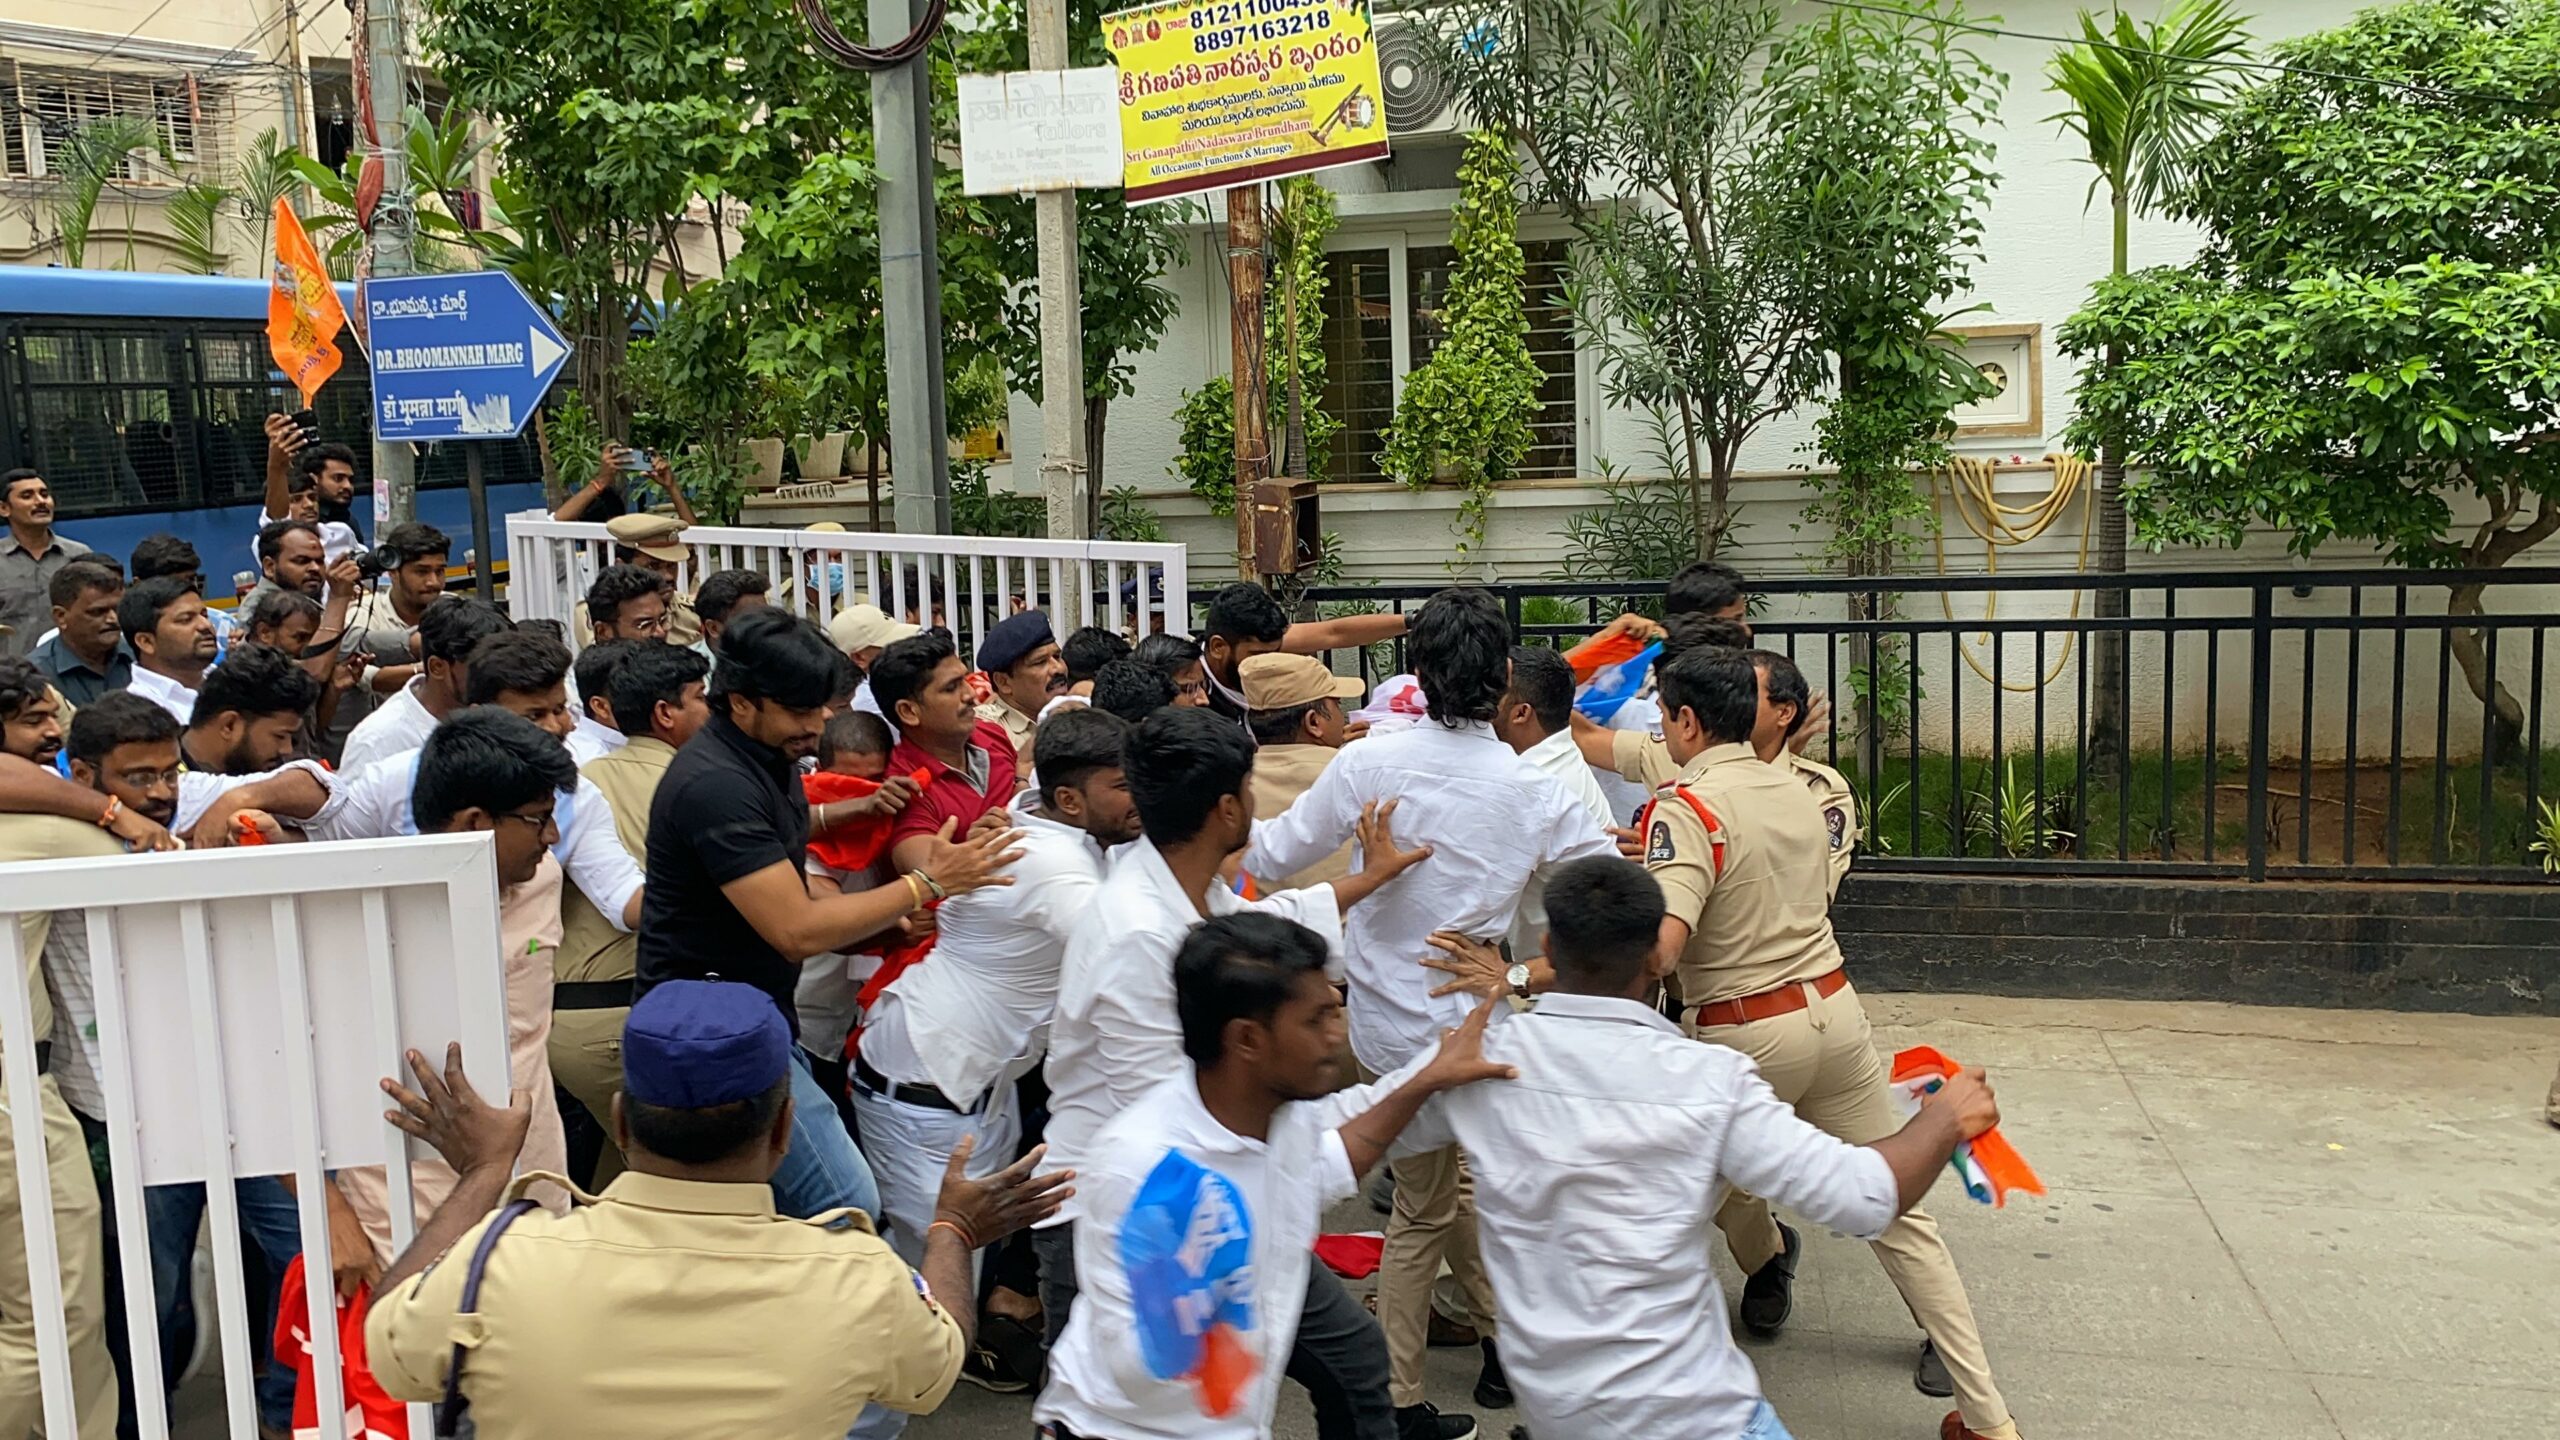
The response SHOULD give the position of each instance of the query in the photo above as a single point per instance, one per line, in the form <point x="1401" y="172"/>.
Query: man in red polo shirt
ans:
<point x="922" y="687"/>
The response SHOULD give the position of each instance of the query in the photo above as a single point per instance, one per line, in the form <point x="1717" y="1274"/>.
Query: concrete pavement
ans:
<point x="2273" y="1223"/>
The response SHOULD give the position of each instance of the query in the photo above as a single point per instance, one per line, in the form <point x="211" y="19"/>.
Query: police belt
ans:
<point x="592" y="994"/>
<point x="1768" y="1004"/>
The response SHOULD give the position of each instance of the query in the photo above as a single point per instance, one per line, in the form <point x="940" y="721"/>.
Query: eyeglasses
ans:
<point x="151" y="779"/>
<point x="538" y="822"/>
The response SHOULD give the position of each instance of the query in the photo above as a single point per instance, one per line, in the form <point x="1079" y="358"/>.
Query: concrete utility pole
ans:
<point x="1244" y="314"/>
<point x="386" y="47"/>
<point x="1062" y="457"/>
<point x="911" y="280"/>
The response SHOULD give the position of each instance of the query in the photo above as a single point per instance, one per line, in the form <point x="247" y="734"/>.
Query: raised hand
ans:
<point x="1379" y="857"/>
<point x="1477" y="968"/>
<point x="972" y="863"/>
<point x="985" y="1211"/>
<point x="469" y="1132"/>
<point x="1461" y="1059"/>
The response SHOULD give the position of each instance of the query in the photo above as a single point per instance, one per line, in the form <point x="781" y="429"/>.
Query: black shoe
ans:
<point x="1930" y="1376"/>
<point x="1425" y="1422"/>
<point x="1493" y="1390"/>
<point x="1769" y="1296"/>
<point x="1007" y="1359"/>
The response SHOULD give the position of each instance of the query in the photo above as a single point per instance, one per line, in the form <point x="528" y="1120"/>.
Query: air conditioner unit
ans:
<point x="1421" y="97"/>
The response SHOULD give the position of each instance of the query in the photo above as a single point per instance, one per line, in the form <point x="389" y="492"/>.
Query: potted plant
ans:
<point x="1464" y="417"/>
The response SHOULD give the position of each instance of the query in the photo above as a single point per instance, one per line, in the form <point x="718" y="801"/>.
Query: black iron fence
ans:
<point x="2372" y="724"/>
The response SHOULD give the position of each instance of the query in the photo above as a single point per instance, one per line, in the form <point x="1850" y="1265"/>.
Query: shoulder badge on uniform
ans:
<point x="1657" y="848"/>
<point x="924" y="1291"/>
<point x="1837" y="820"/>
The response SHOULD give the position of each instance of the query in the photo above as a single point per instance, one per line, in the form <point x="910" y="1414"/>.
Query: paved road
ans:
<point x="2279" y="1224"/>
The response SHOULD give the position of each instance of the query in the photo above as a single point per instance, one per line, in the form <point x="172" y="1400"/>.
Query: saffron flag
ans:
<point x="303" y="313"/>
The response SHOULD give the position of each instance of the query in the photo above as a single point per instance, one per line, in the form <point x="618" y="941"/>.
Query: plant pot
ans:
<point x="767" y="455"/>
<point x="1445" y="472"/>
<point x="824" y="459"/>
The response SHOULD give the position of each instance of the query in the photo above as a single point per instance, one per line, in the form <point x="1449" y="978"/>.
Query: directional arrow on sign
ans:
<point x="457" y="357"/>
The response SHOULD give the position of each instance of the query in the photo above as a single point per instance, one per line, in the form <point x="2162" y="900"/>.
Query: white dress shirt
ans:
<point x="1559" y="756"/>
<point x="1100" y="1382"/>
<point x="164" y="692"/>
<point x="197" y="789"/>
<point x="1117" y="1035"/>
<point x="976" y="1009"/>
<point x="591" y="740"/>
<point x="1596" y="1181"/>
<point x="400" y="723"/>
<point x="1493" y="822"/>
<point x="375" y="806"/>
<point x="862" y="700"/>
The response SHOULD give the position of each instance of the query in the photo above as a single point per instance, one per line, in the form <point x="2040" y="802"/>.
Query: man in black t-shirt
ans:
<point x="728" y="832"/>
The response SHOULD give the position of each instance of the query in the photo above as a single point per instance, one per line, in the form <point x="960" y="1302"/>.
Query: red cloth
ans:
<point x="858" y="843"/>
<point x="371" y="1414"/>
<point x="1353" y="1257"/>
<point x="947" y="792"/>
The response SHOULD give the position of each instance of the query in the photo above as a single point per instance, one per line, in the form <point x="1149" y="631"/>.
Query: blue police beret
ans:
<point x="693" y="1044"/>
<point x="1014" y="637"/>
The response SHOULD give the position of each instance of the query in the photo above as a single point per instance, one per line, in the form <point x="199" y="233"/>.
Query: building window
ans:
<point x="43" y="112"/>
<point x="1382" y="321"/>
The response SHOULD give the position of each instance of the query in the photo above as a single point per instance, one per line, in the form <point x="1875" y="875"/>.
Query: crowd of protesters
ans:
<point x="881" y="1015"/>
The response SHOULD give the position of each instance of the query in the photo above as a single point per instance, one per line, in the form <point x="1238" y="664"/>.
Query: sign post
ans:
<point x="459" y="357"/>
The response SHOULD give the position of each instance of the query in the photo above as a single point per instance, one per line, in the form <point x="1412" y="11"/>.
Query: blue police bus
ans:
<point x="142" y="401"/>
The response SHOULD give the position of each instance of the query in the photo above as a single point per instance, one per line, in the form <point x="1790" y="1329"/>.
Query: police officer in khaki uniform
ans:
<point x="1293" y="706"/>
<point x="1026" y="669"/>
<point x="79" y="1235"/>
<point x="1746" y="863"/>
<point x="651" y="542"/>
<point x="677" y="1303"/>
<point x="659" y="689"/>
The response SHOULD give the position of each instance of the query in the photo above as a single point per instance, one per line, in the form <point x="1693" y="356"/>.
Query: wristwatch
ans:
<point x="1517" y="977"/>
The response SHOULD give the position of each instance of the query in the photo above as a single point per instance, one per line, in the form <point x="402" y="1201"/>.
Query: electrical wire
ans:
<point x="864" y="57"/>
<point x="2269" y="67"/>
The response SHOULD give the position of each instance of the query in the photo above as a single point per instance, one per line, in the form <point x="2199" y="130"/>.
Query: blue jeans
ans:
<point x="824" y="1170"/>
<point x="272" y="1221"/>
<point x="1764" y="1425"/>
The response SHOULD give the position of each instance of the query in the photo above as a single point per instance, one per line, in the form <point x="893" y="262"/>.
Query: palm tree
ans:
<point x="264" y="175"/>
<point x="90" y="159"/>
<point x="2143" y="98"/>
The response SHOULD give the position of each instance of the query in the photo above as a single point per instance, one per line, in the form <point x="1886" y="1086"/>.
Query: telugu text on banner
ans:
<point x="1227" y="92"/>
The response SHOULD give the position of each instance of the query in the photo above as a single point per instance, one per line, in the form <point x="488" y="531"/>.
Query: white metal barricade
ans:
<point x="249" y="1001"/>
<point x="1121" y="585"/>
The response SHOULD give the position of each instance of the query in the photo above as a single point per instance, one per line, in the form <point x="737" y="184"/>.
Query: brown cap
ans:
<point x="651" y="535"/>
<point x="1285" y="682"/>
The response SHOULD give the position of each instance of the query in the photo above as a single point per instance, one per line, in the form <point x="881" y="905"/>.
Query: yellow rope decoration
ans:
<point x="1999" y="526"/>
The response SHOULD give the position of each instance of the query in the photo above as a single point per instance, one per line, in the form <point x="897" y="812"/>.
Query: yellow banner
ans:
<point x="1225" y="92"/>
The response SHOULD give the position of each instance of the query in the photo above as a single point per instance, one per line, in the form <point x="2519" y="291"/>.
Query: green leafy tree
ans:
<point x="195" y="226"/>
<point x="92" y="159"/>
<point x="1645" y="128"/>
<point x="2142" y="98"/>
<point x="1465" y="412"/>
<point x="264" y="174"/>
<point x="2371" y="336"/>
<point x="1120" y="249"/>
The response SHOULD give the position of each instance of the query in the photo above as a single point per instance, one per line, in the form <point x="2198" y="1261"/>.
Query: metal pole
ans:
<point x="386" y="61"/>
<point x="482" y="556"/>
<point x="910" y="280"/>
<point x="1244" y="314"/>
<point x="2262" y="644"/>
<point x="1062" y="457"/>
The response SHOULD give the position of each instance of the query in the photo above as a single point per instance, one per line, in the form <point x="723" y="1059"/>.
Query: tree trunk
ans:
<point x="2507" y="731"/>
<point x="1097" y="409"/>
<point x="2108" y="739"/>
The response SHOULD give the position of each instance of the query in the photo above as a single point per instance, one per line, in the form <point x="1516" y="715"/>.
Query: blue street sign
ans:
<point x="457" y="357"/>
